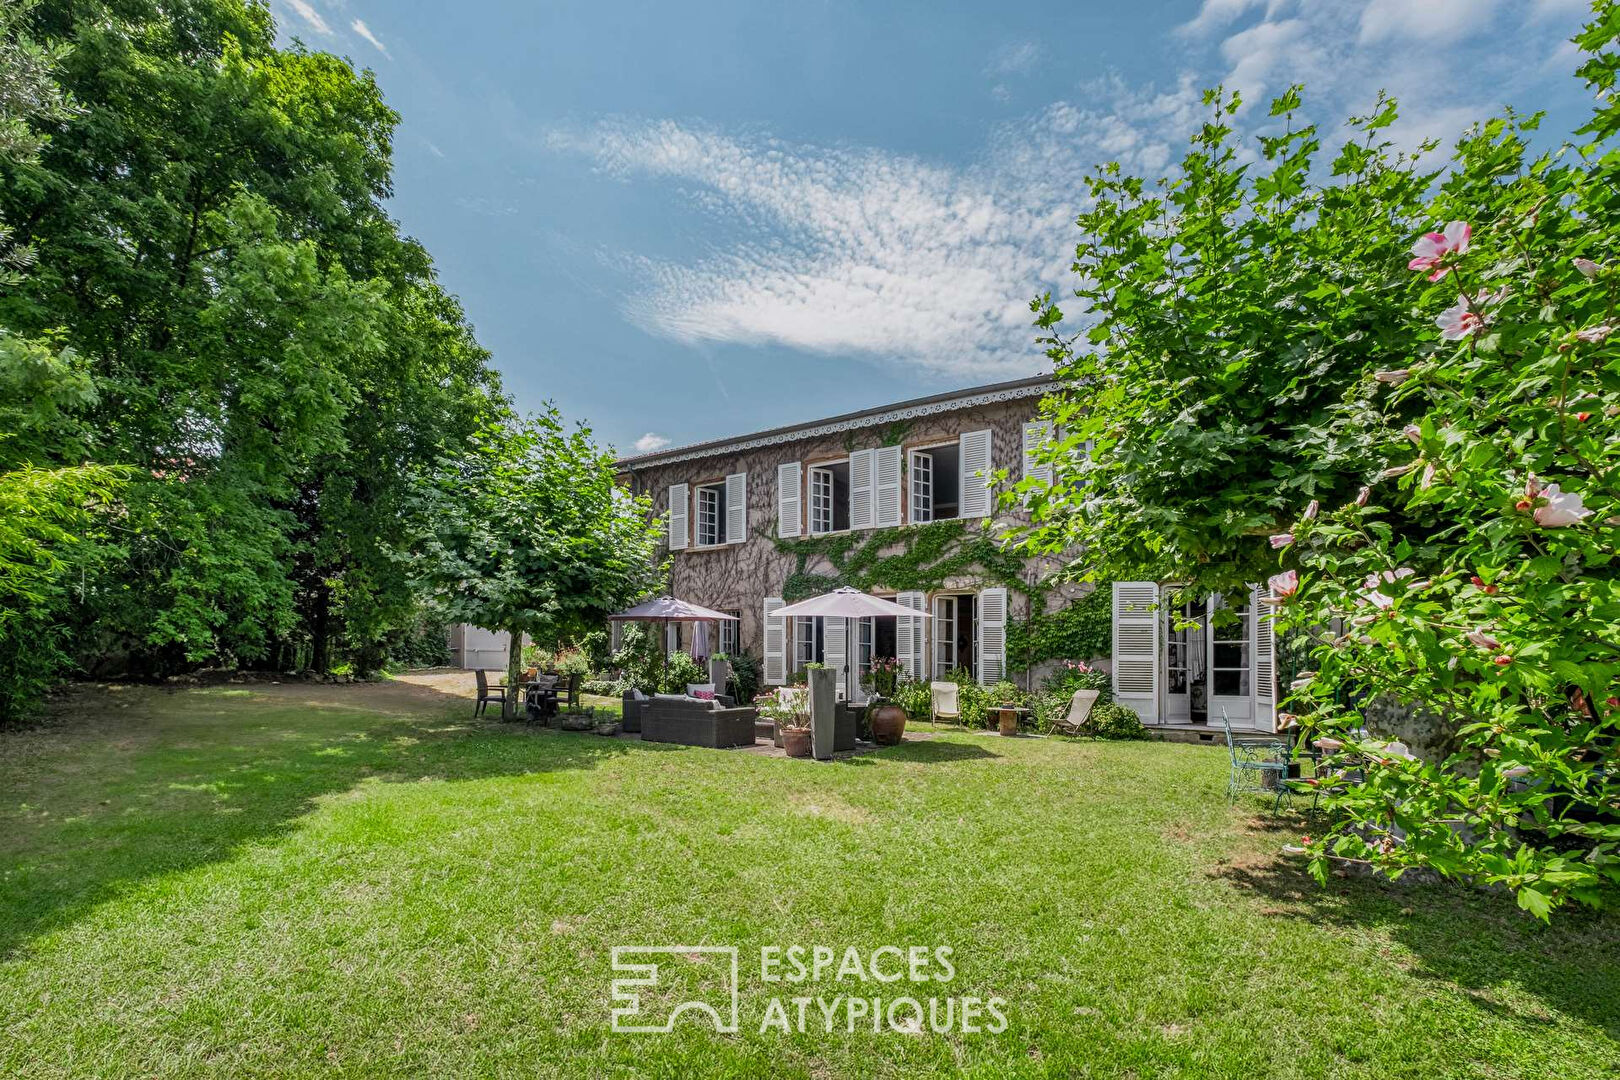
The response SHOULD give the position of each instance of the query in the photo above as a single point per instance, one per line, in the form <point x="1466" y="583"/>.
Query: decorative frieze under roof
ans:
<point x="953" y="401"/>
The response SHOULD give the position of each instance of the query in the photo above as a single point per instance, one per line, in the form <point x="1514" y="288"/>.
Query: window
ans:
<point x="922" y="486"/>
<point x="936" y="483"/>
<point x="711" y="514"/>
<point x="829" y="498"/>
<point x="728" y="635"/>
<point x="807" y="641"/>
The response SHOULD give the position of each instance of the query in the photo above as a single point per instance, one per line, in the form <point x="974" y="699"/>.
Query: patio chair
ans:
<point x="943" y="703"/>
<point x="1079" y="711"/>
<point x="1253" y="761"/>
<point x="488" y="693"/>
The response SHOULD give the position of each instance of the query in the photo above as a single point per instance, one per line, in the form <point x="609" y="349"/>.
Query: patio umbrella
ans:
<point x="667" y="609"/>
<point x="846" y="603"/>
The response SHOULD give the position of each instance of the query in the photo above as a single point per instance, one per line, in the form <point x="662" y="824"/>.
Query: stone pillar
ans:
<point x="823" y="706"/>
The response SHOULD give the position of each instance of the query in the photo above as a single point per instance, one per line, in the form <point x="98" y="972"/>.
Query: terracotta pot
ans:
<point x="888" y="724"/>
<point x="797" y="742"/>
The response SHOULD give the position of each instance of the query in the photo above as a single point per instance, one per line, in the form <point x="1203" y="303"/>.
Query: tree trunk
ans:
<point x="514" y="672"/>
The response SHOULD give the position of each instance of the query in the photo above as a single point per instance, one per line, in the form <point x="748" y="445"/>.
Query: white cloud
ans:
<point x="1437" y="23"/>
<point x="847" y="250"/>
<point x="858" y="251"/>
<point x="650" y="442"/>
<point x="1017" y="58"/>
<point x="359" y="27"/>
<point x="308" y="13"/>
<point x="1216" y="14"/>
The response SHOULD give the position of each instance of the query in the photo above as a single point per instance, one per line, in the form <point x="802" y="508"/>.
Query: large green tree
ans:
<point x="262" y="343"/>
<point x="52" y="503"/>
<point x="526" y="529"/>
<point x="1392" y="394"/>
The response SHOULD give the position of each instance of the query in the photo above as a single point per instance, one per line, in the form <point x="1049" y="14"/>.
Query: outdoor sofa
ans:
<point x="674" y="718"/>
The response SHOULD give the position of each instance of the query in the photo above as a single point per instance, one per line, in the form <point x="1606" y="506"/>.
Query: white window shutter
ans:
<point x="992" y="636"/>
<point x="975" y="468"/>
<point x="775" y="643"/>
<point x="835" y="653"/>
<point x="1265" y="662"/>
<point x="860" y="489"/>
<point x="1136" y="647"/>
<point x="736" y="508"/>
<point x="789" y="498"/>
<point x="909" y="635"/>
<point x="678" y="504"/>
<point x="1036" y="434"/>
<point x="922" y="487"/>
<point x="887" y="481"/>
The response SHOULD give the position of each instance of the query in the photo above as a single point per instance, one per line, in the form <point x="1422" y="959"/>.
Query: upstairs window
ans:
<point x="936" y="483"/>
<point x="711" y="514"/>
<point x="829" y="498"/>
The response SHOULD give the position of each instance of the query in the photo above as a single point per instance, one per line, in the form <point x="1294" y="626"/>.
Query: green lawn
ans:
<point x="287" y="880"/>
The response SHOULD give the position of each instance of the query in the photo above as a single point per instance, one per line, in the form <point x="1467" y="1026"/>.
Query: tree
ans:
<point x="1393" y="394"/>
<point x="260" y="341"/>
<point x="525" y="529"/>
<point x="51" y="503"/>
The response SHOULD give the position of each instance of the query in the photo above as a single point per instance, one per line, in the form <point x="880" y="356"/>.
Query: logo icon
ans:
<point x="720" y="1004"/>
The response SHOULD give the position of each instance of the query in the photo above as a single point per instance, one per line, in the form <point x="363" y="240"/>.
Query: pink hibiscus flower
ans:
<point x="1431" y="248"/>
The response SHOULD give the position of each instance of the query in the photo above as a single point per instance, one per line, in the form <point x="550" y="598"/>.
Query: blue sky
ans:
<point x="681" y="220"/>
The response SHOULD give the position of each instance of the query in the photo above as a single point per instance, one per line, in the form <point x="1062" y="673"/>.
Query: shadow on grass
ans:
<point x="936" y="750"/>
<point x="104" y="800"/>
<point x="1475" y="939"/>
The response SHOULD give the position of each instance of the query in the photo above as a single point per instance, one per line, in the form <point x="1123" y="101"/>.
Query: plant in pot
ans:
<point x="887" y="719"/>
<point x="792" y="722"/>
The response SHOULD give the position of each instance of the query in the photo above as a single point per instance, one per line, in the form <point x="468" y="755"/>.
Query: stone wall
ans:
<point x="738" y="577"/>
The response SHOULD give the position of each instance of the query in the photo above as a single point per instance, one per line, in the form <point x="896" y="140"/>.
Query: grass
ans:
<point x="268" y="880"/>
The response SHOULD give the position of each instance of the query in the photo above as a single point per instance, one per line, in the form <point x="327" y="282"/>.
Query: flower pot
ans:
<point x="575" y="722"/>
<point x="796" y="741"/>
<point x="888" y="724"/>
<point x="1007" y="721"/>
<point x="610" y="727"/>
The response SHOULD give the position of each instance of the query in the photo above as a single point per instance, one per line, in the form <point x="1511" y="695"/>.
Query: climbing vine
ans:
<point x="922" y="558"/>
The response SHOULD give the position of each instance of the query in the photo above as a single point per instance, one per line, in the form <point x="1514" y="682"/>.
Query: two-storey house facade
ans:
<point x="906" y="491"/>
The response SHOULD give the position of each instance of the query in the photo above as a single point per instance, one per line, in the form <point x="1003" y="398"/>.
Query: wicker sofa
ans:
<point x="692" y="722"/>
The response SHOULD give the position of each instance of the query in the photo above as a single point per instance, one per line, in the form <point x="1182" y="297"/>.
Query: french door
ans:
<point x="1230" y="659"/>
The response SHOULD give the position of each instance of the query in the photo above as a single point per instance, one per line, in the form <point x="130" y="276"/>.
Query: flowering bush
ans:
<point x="1394" y="396"/>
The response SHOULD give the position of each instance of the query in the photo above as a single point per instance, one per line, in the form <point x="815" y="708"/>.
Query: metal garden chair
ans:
<point x="1258" y="765"/>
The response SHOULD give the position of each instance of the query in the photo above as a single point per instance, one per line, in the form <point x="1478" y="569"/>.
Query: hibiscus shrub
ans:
<point x="1408" y="381"/>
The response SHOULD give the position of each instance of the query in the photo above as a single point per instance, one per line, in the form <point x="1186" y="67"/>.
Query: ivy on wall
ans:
<point x="922" y="558"/>
<point x="1081" y="631"/>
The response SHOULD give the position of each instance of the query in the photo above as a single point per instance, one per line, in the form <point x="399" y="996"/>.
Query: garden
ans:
<point x="258" y="879"/>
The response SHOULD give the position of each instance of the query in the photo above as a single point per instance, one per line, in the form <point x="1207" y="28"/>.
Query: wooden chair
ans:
<point x="943" y="703"/>
<point x="488" y="693"/>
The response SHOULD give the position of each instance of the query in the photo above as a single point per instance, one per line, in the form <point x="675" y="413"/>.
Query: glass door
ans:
<point x="1183" y="637"/>
<point x="1231" y="652"/>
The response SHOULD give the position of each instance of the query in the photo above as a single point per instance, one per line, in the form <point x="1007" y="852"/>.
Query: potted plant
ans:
<point x="792" y="725"/>
<point x="887" y="720"/>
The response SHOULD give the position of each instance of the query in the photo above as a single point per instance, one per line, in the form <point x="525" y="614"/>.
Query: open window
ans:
<point x="711" y="514"/>
<point x="936" y="483"/>
<point x="829" y="497"/>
